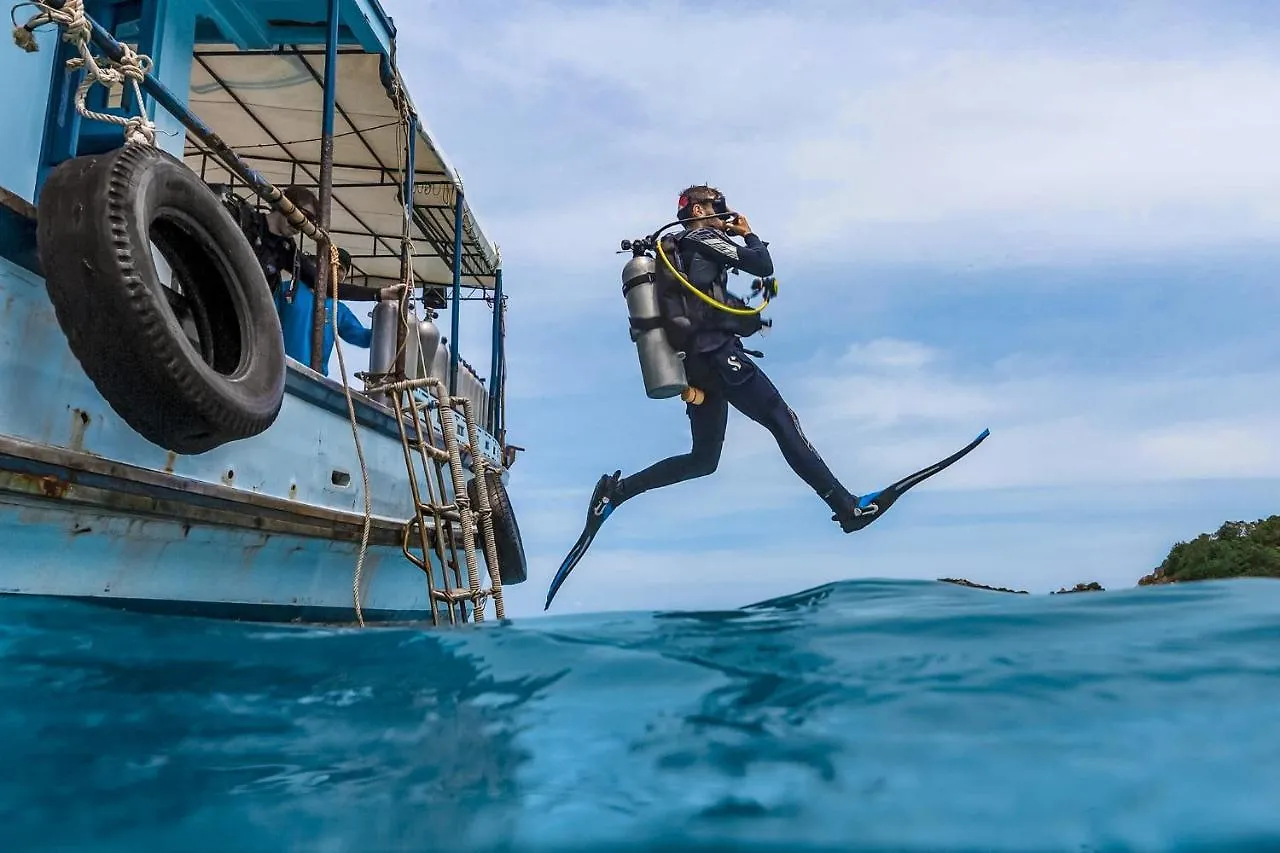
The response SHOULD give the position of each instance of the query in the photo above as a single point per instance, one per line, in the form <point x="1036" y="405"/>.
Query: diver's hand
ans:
<point x="769" y="285"/>
<point x="740" y="226"/>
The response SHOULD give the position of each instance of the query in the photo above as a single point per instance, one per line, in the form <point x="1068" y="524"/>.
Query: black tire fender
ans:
<point x="98" y="219"/>
<point x="512" y="568"/>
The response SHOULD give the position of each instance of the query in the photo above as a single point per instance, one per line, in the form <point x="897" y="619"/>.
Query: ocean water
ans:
<point x="860" y="716"/>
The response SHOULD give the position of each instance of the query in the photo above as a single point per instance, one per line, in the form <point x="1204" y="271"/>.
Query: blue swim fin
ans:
<point x="600" y="509"/>
<point x="873" y="505"/>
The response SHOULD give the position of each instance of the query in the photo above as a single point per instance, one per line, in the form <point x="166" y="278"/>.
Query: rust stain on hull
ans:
<point x="49" y="486"/>
<point x="52" y="487"/>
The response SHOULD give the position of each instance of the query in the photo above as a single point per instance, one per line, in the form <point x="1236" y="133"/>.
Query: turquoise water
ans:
<point x="861" y="716"/>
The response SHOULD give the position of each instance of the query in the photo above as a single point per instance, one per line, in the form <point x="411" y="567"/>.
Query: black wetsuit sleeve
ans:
<point x="752" y="258"/>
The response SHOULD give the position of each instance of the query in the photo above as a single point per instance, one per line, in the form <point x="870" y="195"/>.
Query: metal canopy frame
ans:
<point x="253" y="97"/>
<point x="368" y="78"/>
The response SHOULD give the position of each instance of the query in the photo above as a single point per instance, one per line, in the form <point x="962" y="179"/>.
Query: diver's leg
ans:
<point x="707" y="427"/>
<point x="750" y="391"/>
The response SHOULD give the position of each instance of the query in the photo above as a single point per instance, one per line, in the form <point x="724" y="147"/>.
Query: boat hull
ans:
<point x="267" y="528"/>
<point x="164" y="565"/>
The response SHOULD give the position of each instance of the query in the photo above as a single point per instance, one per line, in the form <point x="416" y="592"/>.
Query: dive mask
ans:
<point x="719" y="206"/>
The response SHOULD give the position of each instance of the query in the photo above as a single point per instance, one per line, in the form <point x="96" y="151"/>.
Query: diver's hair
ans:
<point x="302" y="197"/>
<point x="695" y="194"/>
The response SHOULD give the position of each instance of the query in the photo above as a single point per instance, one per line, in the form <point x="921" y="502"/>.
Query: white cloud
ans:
<point x="1049" y="153"/>
<point x="911" y="135"/>
<point x="1212" y="448"/>
<point x="888" y="354"/>
<point x="1049" y="428"/>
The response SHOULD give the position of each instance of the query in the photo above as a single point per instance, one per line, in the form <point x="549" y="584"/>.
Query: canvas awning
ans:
<point x="267" y="106"/>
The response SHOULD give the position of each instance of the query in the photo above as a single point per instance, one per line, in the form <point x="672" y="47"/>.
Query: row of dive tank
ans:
<point x="424" y="349"/>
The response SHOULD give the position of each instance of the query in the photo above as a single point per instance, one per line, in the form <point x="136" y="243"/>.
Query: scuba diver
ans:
<point x="275" y="241"/>
<point x="721" y="373"/>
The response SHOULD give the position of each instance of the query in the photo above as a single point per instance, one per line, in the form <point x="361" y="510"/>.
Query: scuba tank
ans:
<point x="428" y="339"/>
<point x="661" y="367"/>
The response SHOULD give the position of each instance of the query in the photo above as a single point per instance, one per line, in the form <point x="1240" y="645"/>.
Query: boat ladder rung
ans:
<point x="457" y="594"/>
<point x="429" y="449"/>
<point x="449" y="512"/>
<point x="470" y="548"/>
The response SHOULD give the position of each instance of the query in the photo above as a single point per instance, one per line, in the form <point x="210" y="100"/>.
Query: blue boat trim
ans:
<point x="325" y="393"/>
<point x="182" y="497"/>
<point x="242" y="611"/>
<point x="497" y="361"/>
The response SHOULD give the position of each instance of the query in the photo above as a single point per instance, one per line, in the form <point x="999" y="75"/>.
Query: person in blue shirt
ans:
<point x="295" y="303"/>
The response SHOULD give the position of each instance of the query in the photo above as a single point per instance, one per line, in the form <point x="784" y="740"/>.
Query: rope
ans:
<point x="356" y="579"/>
<point x="479" y="466"/>
<point x="131" y="69"/>
<point x="460" y="498"/>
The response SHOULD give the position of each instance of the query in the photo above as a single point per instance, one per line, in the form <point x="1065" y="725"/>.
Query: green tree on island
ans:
<point x="1237" y="549"/>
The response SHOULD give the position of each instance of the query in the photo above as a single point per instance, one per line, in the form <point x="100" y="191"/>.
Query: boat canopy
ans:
<point x="267" y="106"/>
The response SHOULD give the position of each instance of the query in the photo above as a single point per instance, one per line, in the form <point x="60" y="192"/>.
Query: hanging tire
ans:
<point x="189" y="371"/>
<point x="506" y="533"/>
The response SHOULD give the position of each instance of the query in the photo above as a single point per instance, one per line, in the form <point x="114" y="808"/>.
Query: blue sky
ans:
<point x="1059" y="221"/>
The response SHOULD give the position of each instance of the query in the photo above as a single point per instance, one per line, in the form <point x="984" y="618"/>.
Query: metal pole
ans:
<point x="457" y="292"/>
<point x="496" y="353"/>
<point x="323" y="268"/>
<point x="500" y="422"/>
<point x="406" y="261"/>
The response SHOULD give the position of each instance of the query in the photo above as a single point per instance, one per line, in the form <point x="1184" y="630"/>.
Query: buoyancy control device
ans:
<point x="659" y="320"/>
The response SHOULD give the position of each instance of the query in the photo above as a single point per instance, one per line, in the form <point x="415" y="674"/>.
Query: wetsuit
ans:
<point x="717" y="363"/>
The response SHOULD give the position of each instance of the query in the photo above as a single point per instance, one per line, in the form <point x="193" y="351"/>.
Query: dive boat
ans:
<point x="160" y="449"/>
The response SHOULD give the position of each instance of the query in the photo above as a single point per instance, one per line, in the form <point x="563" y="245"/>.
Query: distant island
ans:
<point x="1092" y="586"/>
<point x="1238" y="549"/>
<point x="969" y="583"/>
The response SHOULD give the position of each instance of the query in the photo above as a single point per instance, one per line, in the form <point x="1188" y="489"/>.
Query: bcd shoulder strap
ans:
<point x="673" y="300"/>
